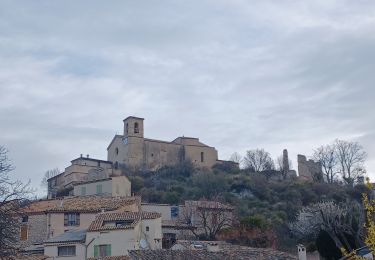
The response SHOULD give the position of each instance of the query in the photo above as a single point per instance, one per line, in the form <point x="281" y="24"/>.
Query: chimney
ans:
<point x="81" y="155"/>
<point x="301" y="252"/>
<point x="88" y="156"/>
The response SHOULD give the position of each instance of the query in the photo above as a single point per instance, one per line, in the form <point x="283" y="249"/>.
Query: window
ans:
<point x="127" y="128"/>
<point x="66" y="250"/>
<point x="71" y="219"/>
<point x="25" y="219"/>
<point x="147" y="228"/>
<point x="202" y="156"/>
<point x="102" y="250"/>
<point x="23" y="231"/>
<point x="83" y="191"/>
<point x="116" y="151"/>
<point x="99" y="189"/>
<point x="136" y="128"/>
<point x="123" y="223"/>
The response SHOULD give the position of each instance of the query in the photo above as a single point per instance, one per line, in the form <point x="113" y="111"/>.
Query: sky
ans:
<point x="237" y="74"/>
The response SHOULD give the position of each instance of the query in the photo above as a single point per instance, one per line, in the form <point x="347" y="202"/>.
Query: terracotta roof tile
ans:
<point x="207" y="204"/>
<point x="97" y="224"/>
<point x="244" y="254"/>
<point x="123" y="257"/>
<point x="81" y="204"/>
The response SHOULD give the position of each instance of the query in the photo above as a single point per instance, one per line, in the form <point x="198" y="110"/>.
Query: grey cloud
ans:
<point x="237" y="74"/>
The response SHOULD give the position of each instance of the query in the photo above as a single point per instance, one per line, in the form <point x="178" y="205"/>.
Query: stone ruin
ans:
<point x="309" y="170"/>
<point x="286" y="167"/>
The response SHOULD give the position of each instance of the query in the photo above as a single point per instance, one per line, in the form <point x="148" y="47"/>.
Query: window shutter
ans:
<point x="109" y="249"/>
<point x="96" y="251"/>
<point x="77" y="219"/>
<point x="66" y="217"/>
<point x="23" y="233"/>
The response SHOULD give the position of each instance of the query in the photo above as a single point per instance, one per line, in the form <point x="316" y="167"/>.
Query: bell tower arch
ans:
<point x="133" y="127"/>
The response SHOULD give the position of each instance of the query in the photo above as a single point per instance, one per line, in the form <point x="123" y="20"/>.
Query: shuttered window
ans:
<point x="71" y="219"/>
<point x="23" y="231"/>
<point x="102" y="250"/>
<point x="66" y="250"/>
<point x="99" y="189"/>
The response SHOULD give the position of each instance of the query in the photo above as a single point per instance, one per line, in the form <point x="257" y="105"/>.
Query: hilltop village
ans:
<point x="154" y="199"/>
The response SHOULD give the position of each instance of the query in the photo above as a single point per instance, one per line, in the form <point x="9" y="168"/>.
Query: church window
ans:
<point x="202" y="156"/>
<point x="136" y="128"/>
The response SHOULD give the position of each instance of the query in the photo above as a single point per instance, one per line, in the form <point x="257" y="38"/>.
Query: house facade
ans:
<point x="136" y="152"/>
<point x="112" y="186"/>
<point x="69" y="245"/>
<point x="114" y="234"/>
<point x="46" y="219"/>
<point x="82" y="169"/>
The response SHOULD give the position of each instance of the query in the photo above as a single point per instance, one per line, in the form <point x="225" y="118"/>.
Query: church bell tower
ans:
<point x="133" y="127"/>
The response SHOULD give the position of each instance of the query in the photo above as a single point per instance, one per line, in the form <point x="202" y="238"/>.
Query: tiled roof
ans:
<point x="123" y="257"/>
<point x="175" y="224"/>
<point x="243" y="254"/>
<point x="68" y="236"/>
<point x="97" y="224"/>
<point x="207" y="204"/>
<point x="81" y="204"/>
<point x="31" y="257"/>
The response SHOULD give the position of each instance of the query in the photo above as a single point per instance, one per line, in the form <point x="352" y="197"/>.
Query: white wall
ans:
<point x="163" y="209"/>
<point x="51" y="252"/>
<point x="122" y="240"/>
<point x="116" y="186"/>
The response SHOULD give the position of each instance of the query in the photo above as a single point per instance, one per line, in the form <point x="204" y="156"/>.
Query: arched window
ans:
<point x="136" y="128"/>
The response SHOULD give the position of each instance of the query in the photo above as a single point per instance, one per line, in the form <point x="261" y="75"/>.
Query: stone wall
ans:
<point x="309" y="170"/>
<point x="36" y="229"/>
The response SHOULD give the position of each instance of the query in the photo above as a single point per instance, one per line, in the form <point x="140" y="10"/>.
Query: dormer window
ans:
<point x="136" y="128"/>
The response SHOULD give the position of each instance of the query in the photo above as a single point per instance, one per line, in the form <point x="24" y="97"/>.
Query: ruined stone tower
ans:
<point x="285" y="161"/>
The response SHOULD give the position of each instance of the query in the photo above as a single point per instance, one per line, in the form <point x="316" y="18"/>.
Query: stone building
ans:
<point x="82" y="169"/>
<point x="309" y="170"/>
<point x="117" y="186"/>
<point x="135" y="151"/>
<point x="45" y="219"/>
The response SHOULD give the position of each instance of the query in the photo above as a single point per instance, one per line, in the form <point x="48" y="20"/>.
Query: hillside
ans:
<point x="262" y="203"/>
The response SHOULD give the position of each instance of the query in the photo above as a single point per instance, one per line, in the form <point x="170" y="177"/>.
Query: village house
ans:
<point x="179" y="222"/>
<point x="69" y="245"/>
<point x="114" y="234"/>
<point x="112" y="186"/>
<point x="136" y="152"/>
<point x="45" y="219"/>
<point x="82" y="169"/>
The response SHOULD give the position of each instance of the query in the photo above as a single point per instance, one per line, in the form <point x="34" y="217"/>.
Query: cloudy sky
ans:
<point x="237" y="74"/>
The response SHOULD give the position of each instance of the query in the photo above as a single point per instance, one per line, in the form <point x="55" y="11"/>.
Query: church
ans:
<point x="136" y="152"/>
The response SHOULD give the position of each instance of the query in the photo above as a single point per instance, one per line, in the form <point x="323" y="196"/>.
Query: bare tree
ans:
<point x="12" y="195"/>
<point x="258" y="160"/>
<point x="47" y="175"/>
<point x="327" y="156"/>
<point x="236" y="157"/>
<point x="207" y="218"/>
<point x="341" y="222"/>
<point x="351" y="158"/>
